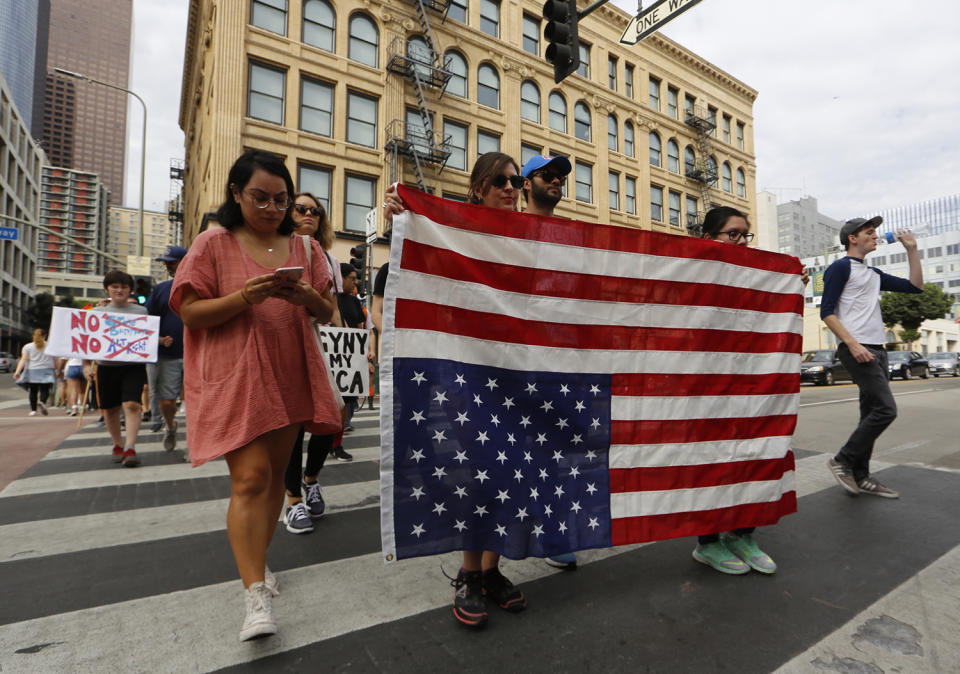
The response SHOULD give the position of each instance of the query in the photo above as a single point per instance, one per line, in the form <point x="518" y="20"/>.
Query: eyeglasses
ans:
<point x="737" y="234"/>
<point x="312" y="210"/>
<point x="549" y="176"/>
<point x="499" y="181"/>
<point x="260" y="200"/>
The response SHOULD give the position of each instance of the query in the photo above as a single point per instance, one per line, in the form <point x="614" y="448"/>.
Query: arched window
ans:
<point x="319" y="24"/>
<point x="673" y="156"/>
<point x="628" y="148"/>
<point x="420" y="54"/>
<point x="530" y="101"/>
<point x="364" y="40"/>
<point x="654" y="149"/>
<point x="689" y="159"/>
<point x="712" y="166"/>
<point x="613" y="141"/>
<point x="581" y="121"/>
<point x="456" y="65"/>
<point x="488" y="86"/>
<point x="741" y="184"/>
<point x="727" y="178"/>
<point x="558" y="112"/>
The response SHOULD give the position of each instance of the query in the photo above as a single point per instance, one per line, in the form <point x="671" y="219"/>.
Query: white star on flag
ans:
<point x="460" y="525"/>
<point x="460" y="491"/>
<point x="417" y="493"/>
<point x="462" y="418"/>
<point x="482" y="438"/>
<point x="417" y="417"/>
<point x="502" y="496"/>
<point x="461" y="456"/>
<point x="564" y="390"/>
<point x="480" y="510"/>
<point x="481" y="475"/>
<point x="460" y="380"/>
<point x="417" y="455"/>
<point x="439" y="508"/>
<point x="522" y="514"/>
<point x="417" y="530"/>
<point x="440" y="398"/>
<point x="491" y="384"/>
<point x="531" y="388"/>
<point x="418" y="377"/>
<point x="439" y="472"/>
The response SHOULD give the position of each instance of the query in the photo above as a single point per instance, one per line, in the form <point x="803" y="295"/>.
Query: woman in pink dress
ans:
<point x="253" y="374"/>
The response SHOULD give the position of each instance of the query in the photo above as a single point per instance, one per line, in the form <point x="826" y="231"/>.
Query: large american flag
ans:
<point x="551" y="385"/>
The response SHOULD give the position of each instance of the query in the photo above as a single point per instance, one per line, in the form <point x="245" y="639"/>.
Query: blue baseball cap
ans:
<point x="538" y="162"/>
<point x="173" y="254"/>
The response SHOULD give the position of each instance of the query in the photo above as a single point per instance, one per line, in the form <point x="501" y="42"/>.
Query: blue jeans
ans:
<point x="877" y="408"/>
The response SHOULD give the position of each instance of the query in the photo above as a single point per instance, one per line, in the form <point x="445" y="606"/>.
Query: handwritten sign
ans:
<point x="346" y="351"/>
<point x="105" y="336"/>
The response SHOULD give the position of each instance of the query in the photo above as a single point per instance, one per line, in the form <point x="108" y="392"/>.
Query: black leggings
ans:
<point x="41" y="390"/>
<point x="713" y="538"/>
<point x="317" y="450"/>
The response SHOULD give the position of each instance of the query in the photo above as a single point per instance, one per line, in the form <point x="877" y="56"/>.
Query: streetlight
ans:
<point x="143" y="153"/>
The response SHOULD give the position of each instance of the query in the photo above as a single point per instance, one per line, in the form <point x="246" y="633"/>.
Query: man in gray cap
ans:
<point x="850" y="307"/>
<point x="167" y="379"/>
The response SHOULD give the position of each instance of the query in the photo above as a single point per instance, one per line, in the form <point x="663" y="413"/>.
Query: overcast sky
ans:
<point x="858" y="105"/>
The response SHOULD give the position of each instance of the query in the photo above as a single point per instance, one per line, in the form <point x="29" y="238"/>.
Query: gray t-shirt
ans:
<point x="128" y="309"/>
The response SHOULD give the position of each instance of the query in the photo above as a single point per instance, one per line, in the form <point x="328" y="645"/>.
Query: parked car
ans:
<point x="944" y="363"/>
<point x="908" y="364"/>
<point x="822" y="367"/>
<point x="7" y="361"/>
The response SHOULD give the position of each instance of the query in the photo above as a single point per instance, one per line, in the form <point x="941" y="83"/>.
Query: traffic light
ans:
<point x="358" y="258"/>
<point x="142" y="286"/>
<point x="561" y="32"/>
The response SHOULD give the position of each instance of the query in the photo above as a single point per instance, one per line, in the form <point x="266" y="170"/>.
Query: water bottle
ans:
<point x="918" y="231"/>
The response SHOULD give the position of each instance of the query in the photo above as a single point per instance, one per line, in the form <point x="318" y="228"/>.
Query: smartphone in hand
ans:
<point x="289" y="275"/>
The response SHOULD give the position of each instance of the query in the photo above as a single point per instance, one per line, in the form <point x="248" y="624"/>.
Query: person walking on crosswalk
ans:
<point x="253" y="371"/>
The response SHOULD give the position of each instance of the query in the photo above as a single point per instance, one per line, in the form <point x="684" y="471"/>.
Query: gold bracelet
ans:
<point x="243" y="296"/>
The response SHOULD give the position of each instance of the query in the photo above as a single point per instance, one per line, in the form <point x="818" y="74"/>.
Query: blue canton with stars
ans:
<point x="493" y="459"/>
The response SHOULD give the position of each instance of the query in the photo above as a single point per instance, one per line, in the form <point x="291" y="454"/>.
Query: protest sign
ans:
<point x="104" y="336"/>
<point x="346" y="353"/>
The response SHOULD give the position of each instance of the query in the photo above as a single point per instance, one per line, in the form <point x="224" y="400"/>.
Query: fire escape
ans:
<point x="419" y="61"/>
<point x="703" y="171"/>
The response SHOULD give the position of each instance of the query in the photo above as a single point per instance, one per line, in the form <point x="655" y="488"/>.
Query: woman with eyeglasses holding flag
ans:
<point x="253" y="374"/>
<point x="733" y="552"/>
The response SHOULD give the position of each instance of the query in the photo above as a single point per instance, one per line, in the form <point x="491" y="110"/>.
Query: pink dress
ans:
<point x="262" y="369"/>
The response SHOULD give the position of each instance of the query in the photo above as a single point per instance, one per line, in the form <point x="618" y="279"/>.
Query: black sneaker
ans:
<point x="469" y="604"/>
<point x="341" y="454"/>
<point x="156" y="426"/>
<point x="313" y="499"/>
<point x="502" y="591"/>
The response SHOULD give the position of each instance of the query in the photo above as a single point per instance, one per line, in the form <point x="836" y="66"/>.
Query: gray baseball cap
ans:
<point x="855" y="225"/>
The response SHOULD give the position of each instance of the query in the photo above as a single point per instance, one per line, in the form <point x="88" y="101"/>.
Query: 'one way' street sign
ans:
<point x="653" y="19"/>
<point x="9" y="233"/>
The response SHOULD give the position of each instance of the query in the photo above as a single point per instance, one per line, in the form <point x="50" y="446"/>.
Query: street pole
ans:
<point x="143" y="147"/>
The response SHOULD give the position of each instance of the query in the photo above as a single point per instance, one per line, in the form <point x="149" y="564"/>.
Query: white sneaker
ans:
<point x="271" y="581"/>
<point x="259" y="619"/>
<point x="32" y="414"/>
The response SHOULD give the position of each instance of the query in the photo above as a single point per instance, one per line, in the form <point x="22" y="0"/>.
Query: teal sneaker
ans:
<point x="746" y="548"/>
<point x="719" y="557"/>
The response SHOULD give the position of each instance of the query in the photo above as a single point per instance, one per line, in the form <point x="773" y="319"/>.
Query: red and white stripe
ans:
<point x="701" y="339"/>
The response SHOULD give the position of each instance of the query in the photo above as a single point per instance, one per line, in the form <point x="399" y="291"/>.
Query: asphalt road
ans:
<point x="925" y="432"/>
<point x="112" y="569"/>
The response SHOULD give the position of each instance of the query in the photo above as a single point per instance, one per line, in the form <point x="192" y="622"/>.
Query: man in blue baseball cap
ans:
<point x="544" y="177"/>
<point x="543" y="183"/>
<point x="166" y="377"/>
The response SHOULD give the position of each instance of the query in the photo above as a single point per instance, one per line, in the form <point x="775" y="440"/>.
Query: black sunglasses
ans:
<point x="549" y="176"/>
<point x="515" y="181"/>
<point x="312" y="210"/>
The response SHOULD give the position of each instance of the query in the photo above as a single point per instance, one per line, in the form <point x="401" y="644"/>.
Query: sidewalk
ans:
<point x="28" y="439"/>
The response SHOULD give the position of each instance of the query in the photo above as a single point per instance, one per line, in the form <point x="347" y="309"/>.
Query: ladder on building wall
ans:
<point x="703" y="172"/>
<point x="425" y="70"/>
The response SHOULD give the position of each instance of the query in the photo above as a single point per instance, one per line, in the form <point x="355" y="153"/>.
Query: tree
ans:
<point x="40" y="311"/>
<point x="909" y="310"/>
